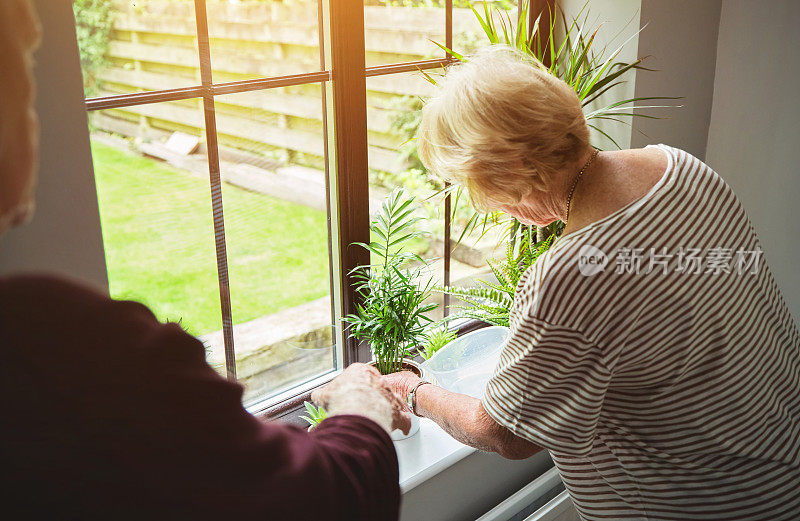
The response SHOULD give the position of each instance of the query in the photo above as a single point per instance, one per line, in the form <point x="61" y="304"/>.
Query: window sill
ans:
<point x="288" y="405"/>
<point x="427" y="453"/>
<point x="443" y="479"/>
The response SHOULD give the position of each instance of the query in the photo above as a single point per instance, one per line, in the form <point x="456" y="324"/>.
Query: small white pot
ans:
<point x="414" y="367"/>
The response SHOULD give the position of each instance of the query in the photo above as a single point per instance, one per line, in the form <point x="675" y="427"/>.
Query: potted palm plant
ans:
<point x="391" y="315"/>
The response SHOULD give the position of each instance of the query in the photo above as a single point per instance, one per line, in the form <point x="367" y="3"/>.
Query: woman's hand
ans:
<point x="360" y="390"/>
<point x="402" y="383"/>
<point x="462" y="416"/>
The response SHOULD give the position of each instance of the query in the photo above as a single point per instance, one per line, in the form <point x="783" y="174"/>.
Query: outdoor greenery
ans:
<point x="315" y="414"/>
<point x="501" y="4"/>
<point x="159" y="242"/>
<point x="391" y="312"/>
<point x="436" y="339"/>
<point x="93" y="25"/>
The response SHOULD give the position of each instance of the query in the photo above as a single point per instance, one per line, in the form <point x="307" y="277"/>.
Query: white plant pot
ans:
<point x="397" y="434"/>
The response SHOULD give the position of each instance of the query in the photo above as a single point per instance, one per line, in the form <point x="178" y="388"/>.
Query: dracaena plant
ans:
<point x="391" y="312"/>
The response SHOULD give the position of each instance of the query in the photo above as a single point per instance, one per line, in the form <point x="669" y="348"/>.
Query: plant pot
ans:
<point x="414" y="367"/>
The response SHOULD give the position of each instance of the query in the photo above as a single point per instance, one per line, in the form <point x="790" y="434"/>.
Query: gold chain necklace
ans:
<point x="575" y="183"/>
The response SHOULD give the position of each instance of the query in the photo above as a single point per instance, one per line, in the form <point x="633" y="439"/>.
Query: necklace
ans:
<point x="575" y="183"/>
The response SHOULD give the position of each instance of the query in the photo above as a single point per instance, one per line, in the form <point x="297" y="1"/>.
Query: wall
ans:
<point x="753" y="140"/>
<point x="64" y="235"/>
<point x="680" y="39"/>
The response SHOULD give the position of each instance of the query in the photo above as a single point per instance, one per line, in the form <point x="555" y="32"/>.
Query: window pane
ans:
<point x="393" y="110"/>
<point x="272" y="152"/>
<point x="155" y="209"/>
<point x="396" y="32"/>
<point x="261" y="38"/>
<point x="136" y="46"/>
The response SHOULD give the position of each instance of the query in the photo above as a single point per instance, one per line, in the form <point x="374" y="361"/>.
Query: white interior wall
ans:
<point x="64" y="236"/>
<point x="679" y="37"/>
<point x="753" y="139"/>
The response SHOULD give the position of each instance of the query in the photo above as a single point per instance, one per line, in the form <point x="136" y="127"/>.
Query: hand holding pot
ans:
<point x="360" y="390"/>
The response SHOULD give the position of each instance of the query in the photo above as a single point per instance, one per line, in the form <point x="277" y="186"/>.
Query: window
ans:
<point x="238" y="146"/>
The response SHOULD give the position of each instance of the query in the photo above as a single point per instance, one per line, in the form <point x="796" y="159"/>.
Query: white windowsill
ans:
<point x="427" y="453"/>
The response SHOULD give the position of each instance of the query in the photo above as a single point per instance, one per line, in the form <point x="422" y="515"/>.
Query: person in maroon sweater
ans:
<point x="107" y="413"/>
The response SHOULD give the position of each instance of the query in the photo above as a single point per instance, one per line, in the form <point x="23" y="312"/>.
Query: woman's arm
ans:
<point x="463" y="417"/>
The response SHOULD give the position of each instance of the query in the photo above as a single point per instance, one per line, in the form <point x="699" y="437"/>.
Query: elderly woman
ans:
<point x="651" y="352"/>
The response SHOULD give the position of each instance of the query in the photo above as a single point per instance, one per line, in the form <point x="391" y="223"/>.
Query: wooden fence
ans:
<point x="154" y="47"/>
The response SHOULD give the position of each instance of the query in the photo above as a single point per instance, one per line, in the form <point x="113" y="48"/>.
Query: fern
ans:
<point x="492" y="302"/>
<point x="315" y="414"/>
<point x="436" y="340"/>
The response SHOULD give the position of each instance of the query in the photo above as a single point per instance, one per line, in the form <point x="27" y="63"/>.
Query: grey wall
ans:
<point x="680" y="38"/>
<point x="64" y="235"/>
<point x="753" y="141"/>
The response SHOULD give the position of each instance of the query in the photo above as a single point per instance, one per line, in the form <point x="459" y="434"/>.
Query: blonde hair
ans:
<point x="501" y="125"/>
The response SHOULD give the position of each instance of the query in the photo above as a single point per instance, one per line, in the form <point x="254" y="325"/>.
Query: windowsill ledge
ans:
<point x="427" y="453"/>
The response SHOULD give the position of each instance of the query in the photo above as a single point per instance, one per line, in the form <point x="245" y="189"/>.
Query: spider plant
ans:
<point x="315" y="414"/>
<point x="436" y="340"/>
<point x="391" y="313"/>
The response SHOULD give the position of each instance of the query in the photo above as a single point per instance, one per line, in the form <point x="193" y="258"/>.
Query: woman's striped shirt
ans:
<point x="652" y="354"/>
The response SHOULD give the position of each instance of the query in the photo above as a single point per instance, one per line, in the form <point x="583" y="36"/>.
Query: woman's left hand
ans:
<point x="402" y="383"/>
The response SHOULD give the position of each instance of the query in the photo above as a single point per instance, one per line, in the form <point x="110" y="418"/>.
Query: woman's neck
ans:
<point x="612" y="181"/>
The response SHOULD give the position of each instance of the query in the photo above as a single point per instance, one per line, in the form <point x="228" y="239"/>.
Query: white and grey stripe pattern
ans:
<point x="662" y="393"/>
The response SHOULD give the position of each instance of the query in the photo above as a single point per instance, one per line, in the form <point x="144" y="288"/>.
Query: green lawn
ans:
<point x="159" y="242"/>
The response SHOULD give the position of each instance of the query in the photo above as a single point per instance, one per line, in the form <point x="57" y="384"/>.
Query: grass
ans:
<point x="159" y="242"/>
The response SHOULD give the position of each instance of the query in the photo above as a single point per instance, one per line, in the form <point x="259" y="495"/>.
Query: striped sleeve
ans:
<point x="549" y="387"/>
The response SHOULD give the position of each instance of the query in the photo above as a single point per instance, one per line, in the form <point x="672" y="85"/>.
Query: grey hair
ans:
<point x="501" y="125"/>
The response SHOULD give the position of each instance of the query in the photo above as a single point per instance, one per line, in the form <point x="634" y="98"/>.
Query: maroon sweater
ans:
<point x="107" y="413"/>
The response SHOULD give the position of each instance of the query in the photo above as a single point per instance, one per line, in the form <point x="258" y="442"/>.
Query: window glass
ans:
<point x="276" y="223"/>
<point x="136" y="46"/>
<point x="468" y="32"/>
<point x="261" y="38"/>
<point x="152" y="182"/>
<point x="394" y="104"/>
<point x="393" y="113"/>
<point x="397" y="31"/>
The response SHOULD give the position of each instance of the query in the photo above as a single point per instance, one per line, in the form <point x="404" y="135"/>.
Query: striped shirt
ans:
<point x="652" y="354"/>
